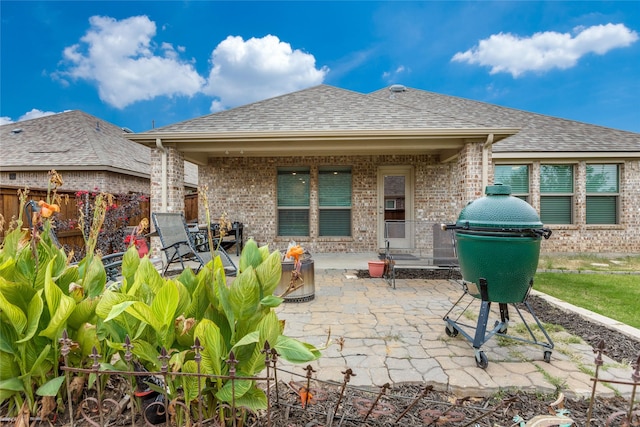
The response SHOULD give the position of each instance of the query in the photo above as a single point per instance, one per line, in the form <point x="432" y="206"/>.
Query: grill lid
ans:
<point x="499" y="211"/>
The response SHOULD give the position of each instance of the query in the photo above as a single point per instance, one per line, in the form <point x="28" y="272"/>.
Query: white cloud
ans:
<point x="33" y="114"/>
<point x="395" y="75"/>
<point x="258" y="68"/>
<point x="121" y="59"/>
<point x="545" y="51"/>
<point x="125" y="64"/>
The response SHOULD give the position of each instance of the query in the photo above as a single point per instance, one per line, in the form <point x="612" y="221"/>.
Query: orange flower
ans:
<point x="46" y="209"/>
<point x="295" y="252"/>
<point x="305" y="396"/>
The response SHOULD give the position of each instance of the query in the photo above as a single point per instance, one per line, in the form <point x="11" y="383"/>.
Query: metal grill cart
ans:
<point x="498" y="243"/>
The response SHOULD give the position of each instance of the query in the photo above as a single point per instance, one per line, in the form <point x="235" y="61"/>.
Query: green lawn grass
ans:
<point x="616" y="296"/>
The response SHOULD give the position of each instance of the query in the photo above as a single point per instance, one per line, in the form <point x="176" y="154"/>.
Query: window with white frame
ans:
<point x="334" y="201"/>
<point x="293" y="201"/>
<point x="515" y="176"/>
<point x="556" y="194"/>
<point x="602" y="193"/>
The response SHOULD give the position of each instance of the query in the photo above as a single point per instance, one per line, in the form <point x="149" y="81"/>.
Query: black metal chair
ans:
<point x="178" y="244"/>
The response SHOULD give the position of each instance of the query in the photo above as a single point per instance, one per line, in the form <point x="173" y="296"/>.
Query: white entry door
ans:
<point x="395" y="206"/>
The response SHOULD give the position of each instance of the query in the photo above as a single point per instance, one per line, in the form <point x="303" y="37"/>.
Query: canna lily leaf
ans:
<point x="145" y="314"/>
<point x="251" y="256"/>
<point x="108" y="300"/>
<point x="16" y="316"/>
<point x="17" y="293"/>
<point x="8" y="338"/>
<point x="39" y="367"/>
<point x="9" y="368"/>
<point x="85" y="310"/>
<point x="234" y="389"/>
<point x="264" y="252"/>
<point x="165" y="303"/>
<point x="11" y="242"/>
<point x="12" y="384"/>
<point x="118" y="309"/>
<point x="188" y="279"/>
<point x="51" y="387"/>
<point x="60" y="306"/>
<point x="269" y="273"/>
<point x="295" y="351"/>
<point x="36" y="307"/>
<point x="213" y="347"/>
<point x="244" y="294"/>
<point x="271" y="301"/>
<point x="254" y="399"/>
<point x="130" y="263"/>
<point x="95" y="278"/>
<point x="190" y="383"/>
<point x="184" y="298"/>
<point x="269" y="328"/>
<point x="148" y="275"/>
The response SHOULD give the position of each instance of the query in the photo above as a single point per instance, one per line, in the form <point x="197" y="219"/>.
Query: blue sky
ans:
<point x="140" y="64"/>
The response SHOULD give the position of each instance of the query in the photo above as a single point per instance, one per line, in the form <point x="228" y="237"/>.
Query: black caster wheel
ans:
<point x="481" y="360"/>
<point x="451" y="331"/>
<point x="503" y="329"/>
<point x="547" y="356"/>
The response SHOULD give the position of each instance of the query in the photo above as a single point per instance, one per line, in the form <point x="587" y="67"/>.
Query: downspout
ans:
<point x="163" y="178"/>
<point x="485" y="162"/>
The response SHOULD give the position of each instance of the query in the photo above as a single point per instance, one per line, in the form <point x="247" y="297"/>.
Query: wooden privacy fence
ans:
<point x="10" y="207"/>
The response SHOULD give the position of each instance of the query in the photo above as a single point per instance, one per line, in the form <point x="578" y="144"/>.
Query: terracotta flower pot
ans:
<point x="376" y="268"/>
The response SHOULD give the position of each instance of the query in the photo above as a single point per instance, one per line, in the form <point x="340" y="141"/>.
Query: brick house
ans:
<point x="89" y="153"/>
<point x="329" y="168"/>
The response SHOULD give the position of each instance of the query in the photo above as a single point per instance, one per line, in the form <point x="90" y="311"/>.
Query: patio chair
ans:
<point x="178" y="244"/>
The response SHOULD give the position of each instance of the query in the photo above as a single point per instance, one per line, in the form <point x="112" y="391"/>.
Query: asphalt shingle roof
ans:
<point x="73" y="140"/>
<point x="538" y="132"/>
<point x="320" y="108"/>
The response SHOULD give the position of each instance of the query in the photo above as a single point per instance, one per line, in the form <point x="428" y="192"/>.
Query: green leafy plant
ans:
<point x="41" y="295"/>
<point x="161" y="313"/>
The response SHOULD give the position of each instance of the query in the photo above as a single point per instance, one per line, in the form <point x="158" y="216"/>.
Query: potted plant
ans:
<point x="377" y="268"/>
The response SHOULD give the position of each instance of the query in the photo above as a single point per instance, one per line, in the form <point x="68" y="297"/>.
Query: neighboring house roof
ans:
<point x="321" y="120"/>
<point x="539" y="133"/>
<point x="72" y="140"/>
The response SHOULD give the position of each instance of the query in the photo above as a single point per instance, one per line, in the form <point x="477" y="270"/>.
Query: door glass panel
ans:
<point x="394" y="206"/>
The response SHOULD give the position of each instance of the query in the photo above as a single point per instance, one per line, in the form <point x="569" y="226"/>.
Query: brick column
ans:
<point x="166" y="166"/>
<point x="470" y="173"/>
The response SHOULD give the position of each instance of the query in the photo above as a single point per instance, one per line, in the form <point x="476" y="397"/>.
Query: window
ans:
<point x="293" y="202"/>
<point x="390" y="204"/>
<point x="602" y="194"/>
<point x="334" y="201"/>
<point x="516" y="176"/>
<point x="556" y="194"/>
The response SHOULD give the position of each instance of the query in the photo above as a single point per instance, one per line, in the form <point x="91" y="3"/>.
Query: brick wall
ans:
<point x="581" y="237"/>
<point x="109" y="182"/>
<point x="245" y="189"/>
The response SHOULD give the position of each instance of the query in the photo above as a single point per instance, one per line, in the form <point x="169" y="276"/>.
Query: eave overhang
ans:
<point x="522" y="156"/>
<point x="82" y="168"/>
<point x="198" y="147"/>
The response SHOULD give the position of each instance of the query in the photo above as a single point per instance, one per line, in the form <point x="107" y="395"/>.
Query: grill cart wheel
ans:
<point x="451" y="331"/>
<point x="547" y="356"/>
<point x="481" y="360"/>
